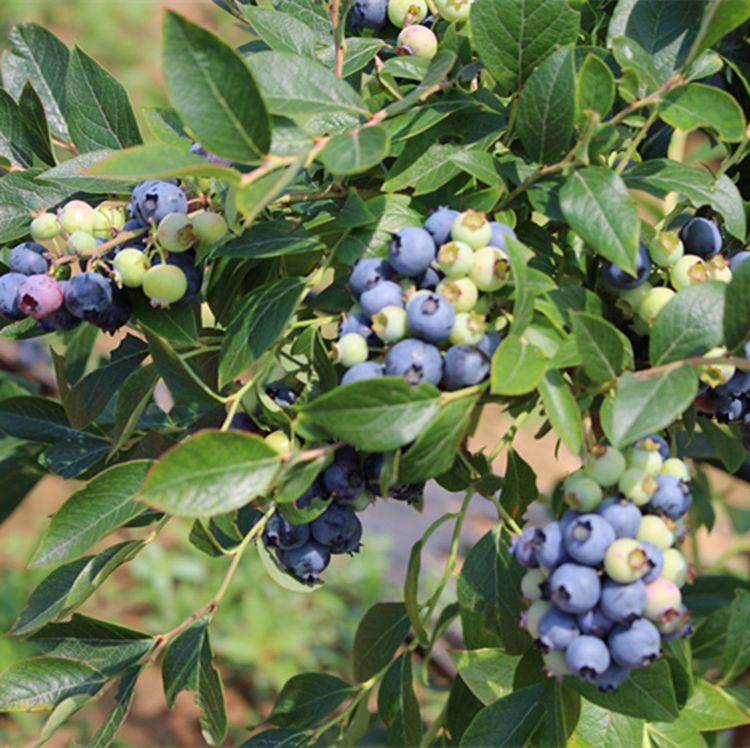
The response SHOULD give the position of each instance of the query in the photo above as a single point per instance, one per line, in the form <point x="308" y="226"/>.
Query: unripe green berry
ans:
<point x="461" y="292"/>
<point x="626" y="561"/>
<point x="455" y="259"/>
<point x="80" y="242"/>
<point x="665" y="249"/>
<point x="130" y="266"/>
<point x="454" y="11"/>
<point x="77" y="216"/>
<point x="176" y="233"/>
<point x="629" y="301"/>
<point x="468" y="329"/>
<point x="604" y="465"/>
<point x="716" y="374"/>
<point x="473" y="228"/>
<point x="648" y="461"/>
<point x="687" y="271"/>
<point x="675" y="567"/>
<point x="531" y="584"/>
<point x="718" y="269"/>
<point x="279" y="442"/>
<point x="404" y="12"/>
<point x="653" y="302"/>
<point x="635" y="485"/>
<point x="209" y="227"/>
<point x="108" y="220"/>
<point x="44" y="227"/>
<point x="554" y="663"/>
<point x="351" y="349"/>
<point x="164" y="284"/>
<point x="675" y="466"/>
<point x="534" y="614"/>
<point x="418" y="41"/>
<point x="389" y="324"/>
<point x="491" y="269"/>
<point x="581" y="492"/>
<point x="655" y="530"/>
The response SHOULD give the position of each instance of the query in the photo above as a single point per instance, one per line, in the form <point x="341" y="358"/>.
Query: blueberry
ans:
<point x="417" y="40"/>
<point x="626" y="560"/>
<point x="415" y="360"/>
<point x="431" y="317"/>
<point x="613" y="678"/>
<point x="386" y="293"/>
<point x="550" y="545"/>
<point x="429" y="280"/>
<point x="410" y="493"/>
<point x="154" y="199"/>
<point x="38" y="296"/>
<point x="623" y="603"/>
<point x="498" y="232"/>
<point x="620" y="279"/>
<point x="439" y="224"/>
<point x="344" y="481"/>
<point x="369" y="14"/>
<point x="701" y="237"/>
<point x="587" y="539"/>
<point x="368" y="272"/>
<point x="557" y="630"/>
<point x="61" y="320"/>
<point x="278" y="533"/>
<point x="365" y="370"/>
<point x="282" y="394"/>
<point x="9" y="284"/>
<point x="316" y="490"/>
<point x="306" y="563"/>
<point x="360" y="324"/>
<point x="489" y="343"/>
<point x="185" y="261"/>
<point x="338" y="528"/>
<point x="594" y="623"/>
<point x="738" y="258"/>
<point x="652" y="442"/>
<point x="663" y="598"/>
<point x="672" y="496"/>
<point x="411" y="251"/>
<point x="588" y="657"/>
<point x="623" y="515"/>
<point x="739" y="384"/>
<point x="28" y="259"/>
<point x="88" y="295"/>
<point x="523" y="548"/>
<point x="116" y="313"/>
<point x="636" y="645"/>
<point x="463" y="366"/>
<point x="212" y="158"/>
<point x="241" y="421"/>
<point x="531" y="617"/>
<point x="574" y="588"/>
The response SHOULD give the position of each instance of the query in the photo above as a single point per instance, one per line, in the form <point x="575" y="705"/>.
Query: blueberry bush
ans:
<point x="345" y="239"/>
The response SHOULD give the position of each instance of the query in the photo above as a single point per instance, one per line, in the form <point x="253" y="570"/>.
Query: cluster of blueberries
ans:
<point x="374" y="14"/>
<point x="81" y="260"/>
<point x="603" y="582"/>
<point x="685" y="257"/>
<point x="443" y="267"/>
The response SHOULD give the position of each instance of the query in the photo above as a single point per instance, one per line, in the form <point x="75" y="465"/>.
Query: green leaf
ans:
<point x="719" y="18"/>
<point x="735" y="656"/>
<point x="356" y="152"/>
<point x="690" y="324"/>
<point x="562" y="410"/>
<point x="214" y="92"/>
<point x="134" y="396"/>
<point x="211" y="473"/>
<point x="15" y="143"/>
<point x="487" y="672"/>
<point x="41" y="683"/>
<point x="546" y="112"/>
<point x="69" y="459"/>
<point x="35" y="123"/>
<point x="279" y="739"/>
<point x="308" y="698"/>
<point x="188" y="666"/>
<point x="600" y="728"/>
<point x="632" y="57"/>
<point x="380" y="633"/>
<point x="679" y="734"/>
<point x="440" y="65"/>
<point x="510" y="721"/>
<point x="661" y="176"/>
<point x="311" y="13"/>
<point x="176" y="324"/>
<point x="604" y="350"/>
<point x="712" y="708"/>
<point x="596" y="204"/>
<point x="479" y="164"/>
<point x="123" y="699"/>
<point x="270" y="239"/>
<point x="432" y="169"/>
<point x="105" y="504"/>
<point x="100" y="115"/>
<point x="513" y="37"/>
<point x="736" y="310"/>
<point x="595" y="88"/>
<point x="256" y="324"/>
<point x="563" y="708"/>
<point x="166" y="126"/>
<point x="519" y="489"/>
<point x="281" y="31"/>
<point x="698" y="105"/>
<point x="643" y="405"/>
<point x="357" y="55"/>
<point x="517" y="367"/>
<point x="376" y="415"/>
<point x="73" y="173"/>
<point x="398" y="706"/>
<point x="35" y="419"/>
<point x="646" y="693"/>
<point x="435" y="448"/>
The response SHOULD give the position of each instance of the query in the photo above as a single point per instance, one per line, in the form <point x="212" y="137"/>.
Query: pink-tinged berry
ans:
<point x="77" y="216"/>
<point x="418" y="41"/>
<point x="164" y="284"/>
<point x="39" y="296"/>
<point x="663" y="599"/>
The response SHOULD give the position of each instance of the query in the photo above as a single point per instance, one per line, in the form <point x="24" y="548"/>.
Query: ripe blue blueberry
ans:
<point x="620" y="279"/>
<point x="307" y="562"/>
<point x="652" y="442"/>
<point x="594" y="623"/>
<point x="439" y="224"/>
<point x="557" y="630"/>
<point x="463" y="366"/>
<point x="701" y="237"/>
<point x="116" y="313"/>
<point x="338" y="528"/>
<point x="383" y="294"/>
<point x="9" y="284"/>
<point x="574" y="588"/>
<point x="430" y="317"/>
<point x="368" y="272"/>
<point x="429" y="279"/>
<point x="738" y="258"/>
<point x="368" y="14"/>
<point x="613" y="678"/>
<point x="360" y="324"/>
<point x="61" y="320"/>
<point x="415" y="360"/>
<point x="623" y="603"/>
<point x="498" y="232"/>
<point x="282" y="394"/>
<point x="654" y="559"/>
<point x="549" y="543"/>
<point x="411" y="251"/>
<point x="87" y="295"/>
<point x="587" y="539"/>
<point x="623" y="515"/>
<point x="278" y="533"/>
<point x="154" y="199"/>
<point x="489" y="343"/>
<point x="344" y="481"/>
<point x="523" y="548"/>
<point x="672" y="496"/>
<point x="587" y="657"/>
<point x="636" y="645"/>
<point x="411" y="493"/>
<point x="27" y="259"/>
<point x="365" y="370"/>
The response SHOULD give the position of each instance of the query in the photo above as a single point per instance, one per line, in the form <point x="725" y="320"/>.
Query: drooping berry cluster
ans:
<point x="82" y="260"/>
<point x="603" y="582"/>
<point x="432" y="292"/>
